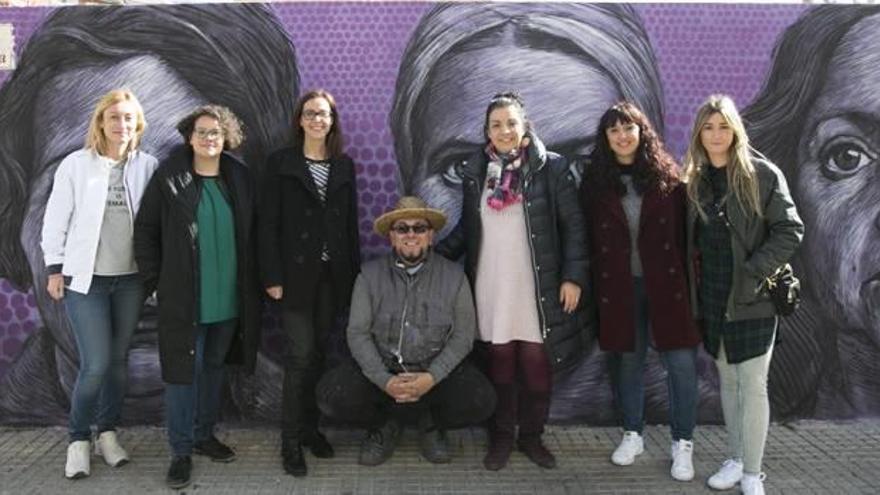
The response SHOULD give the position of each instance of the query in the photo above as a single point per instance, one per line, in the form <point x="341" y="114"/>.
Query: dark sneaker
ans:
<point x="534" y="449"/>
<point x="292" y="458"/>
<point x="435" y="447"/>
<point x="215" y="449"/>
<point x="500" y="447"/>
<point x="379" y="444"/>
<point x="319" y="446"/>
<point x="179" y="472"/>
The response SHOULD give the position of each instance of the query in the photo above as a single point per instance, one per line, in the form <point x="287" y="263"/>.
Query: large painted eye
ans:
<point x="844" y="156"/>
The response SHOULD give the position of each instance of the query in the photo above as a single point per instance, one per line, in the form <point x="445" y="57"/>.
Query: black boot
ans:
<point x="292" y="458"/>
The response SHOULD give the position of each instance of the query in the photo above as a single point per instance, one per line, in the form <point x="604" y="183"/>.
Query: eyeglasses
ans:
<point x="404" y="229"/>
<point x="208" y="133"/>
<point x="312" y="115"/>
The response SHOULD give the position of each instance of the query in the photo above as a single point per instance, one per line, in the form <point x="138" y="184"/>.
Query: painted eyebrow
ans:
<point x="866" y="122"/>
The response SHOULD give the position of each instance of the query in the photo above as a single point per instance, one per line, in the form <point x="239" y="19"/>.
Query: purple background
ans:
<point x="353" y="50"/>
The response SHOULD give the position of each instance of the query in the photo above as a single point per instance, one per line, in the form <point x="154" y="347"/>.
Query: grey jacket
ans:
<point x="771" y="242"/>
<point x="401" y="322"/>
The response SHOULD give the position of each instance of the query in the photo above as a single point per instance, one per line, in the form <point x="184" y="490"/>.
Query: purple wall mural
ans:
<point x="411" y="78"/>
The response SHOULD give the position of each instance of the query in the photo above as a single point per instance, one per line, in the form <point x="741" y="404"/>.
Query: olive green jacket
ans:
<point x="770" y="241"/>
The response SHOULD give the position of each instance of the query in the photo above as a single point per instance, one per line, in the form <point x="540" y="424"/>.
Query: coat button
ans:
<point x="604" y="274"/>
<point x="672" y="271"/>
<point x="666" y="246"/>
<point x="547" y="330"/>
<point x="604" y="225"/>
<point x="192" y="352"/>
<point x="528" y="203"/>
<point x="662" y="220"/>
<point x="304" y="235"/>
<point x="678" y="296"/>
<point x="538" y="268"/>
<point x="604" y="300"/>
<point x="543" y="299"/>
<point x="604" y="249"/>
<point x="299" y="260"/>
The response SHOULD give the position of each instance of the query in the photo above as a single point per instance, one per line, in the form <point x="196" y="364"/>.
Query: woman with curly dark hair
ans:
<point x="635" y="206"/>
<point x="194" y="244"/>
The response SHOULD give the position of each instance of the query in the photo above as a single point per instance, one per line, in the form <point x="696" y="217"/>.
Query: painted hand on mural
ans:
<point x="818" y="117"/>
<point x="173" y="58"/>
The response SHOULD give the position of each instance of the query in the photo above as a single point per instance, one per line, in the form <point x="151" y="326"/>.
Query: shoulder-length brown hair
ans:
<point x="95" y="138"/>
<point x="333" y="140"/>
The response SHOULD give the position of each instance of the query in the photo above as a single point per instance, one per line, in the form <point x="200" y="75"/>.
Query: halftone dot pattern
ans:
<point x="704" y="49"/>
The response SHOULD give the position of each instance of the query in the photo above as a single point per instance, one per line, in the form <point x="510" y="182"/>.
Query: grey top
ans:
<point x="632" y="207"/>
<point x="401" y="321"/>
<point x="115" y="254"/>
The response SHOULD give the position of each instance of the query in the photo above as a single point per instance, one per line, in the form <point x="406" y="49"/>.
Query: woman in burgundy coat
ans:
<point x="634" y="207"/>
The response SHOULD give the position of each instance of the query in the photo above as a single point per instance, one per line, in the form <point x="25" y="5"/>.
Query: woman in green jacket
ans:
<point x="744" y="224"/>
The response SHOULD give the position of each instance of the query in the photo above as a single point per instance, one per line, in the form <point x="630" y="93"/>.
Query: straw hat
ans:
<point x="409" y="207"/>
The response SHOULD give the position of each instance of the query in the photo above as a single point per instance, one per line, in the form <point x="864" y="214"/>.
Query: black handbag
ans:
<point x="783" y="287"/>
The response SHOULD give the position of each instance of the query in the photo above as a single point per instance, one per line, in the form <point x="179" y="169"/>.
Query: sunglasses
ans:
<point x="404" y="229"/>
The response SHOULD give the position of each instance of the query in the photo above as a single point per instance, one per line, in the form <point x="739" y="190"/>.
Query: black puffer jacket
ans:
<point x="167" y="256"/>
<point x="554" y="222"/>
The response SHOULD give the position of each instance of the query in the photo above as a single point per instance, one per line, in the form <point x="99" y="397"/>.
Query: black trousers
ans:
<point x="463" y="398"/>
<point x="306" y="332"/>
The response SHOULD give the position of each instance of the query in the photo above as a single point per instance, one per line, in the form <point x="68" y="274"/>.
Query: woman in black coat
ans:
<point x="310" y="255"/>
<point x="523" y="237"/>
<point x="194" y="244"/>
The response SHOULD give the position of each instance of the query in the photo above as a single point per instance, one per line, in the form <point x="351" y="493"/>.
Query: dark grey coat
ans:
<point x="771" y="242"/>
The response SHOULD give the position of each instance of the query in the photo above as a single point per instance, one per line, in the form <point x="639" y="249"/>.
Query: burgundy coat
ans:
<point x="662" y="251"/>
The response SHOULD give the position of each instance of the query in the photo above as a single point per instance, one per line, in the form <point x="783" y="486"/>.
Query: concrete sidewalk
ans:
<point x="808" y="457"/>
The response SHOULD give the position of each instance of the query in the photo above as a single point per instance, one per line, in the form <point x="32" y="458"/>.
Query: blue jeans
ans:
<point x="191" y="410"/>
<point x="103" y="322"/>
<point x="681" y="377"/>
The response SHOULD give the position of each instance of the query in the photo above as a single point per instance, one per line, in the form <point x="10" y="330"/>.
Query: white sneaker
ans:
<point x="752" y="484"/>
<point x="682" y="460"/>
<point x="631" y="446"/>
<point x="108" y="447"/>
<point x="727" y="476"/>
<point x="77" y="460"/>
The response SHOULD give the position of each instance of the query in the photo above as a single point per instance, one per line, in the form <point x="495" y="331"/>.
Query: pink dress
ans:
<point x="505" y="283"/>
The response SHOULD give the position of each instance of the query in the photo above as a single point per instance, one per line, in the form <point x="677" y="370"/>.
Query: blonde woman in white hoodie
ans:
<point x="87" y="247"/>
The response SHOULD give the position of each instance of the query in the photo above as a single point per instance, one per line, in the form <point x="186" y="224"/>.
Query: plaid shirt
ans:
<point x="743" y="339"/>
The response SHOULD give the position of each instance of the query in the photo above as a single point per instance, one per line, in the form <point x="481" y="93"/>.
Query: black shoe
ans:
<point x="292" y="458"/>
<point x="379" y="444"/>
<point x="215" y="449"/>
<point x="534" y="449"/>
<point x="318" y="444"/>
<point x="179" y="472"/>
<point x="435" y="447"/>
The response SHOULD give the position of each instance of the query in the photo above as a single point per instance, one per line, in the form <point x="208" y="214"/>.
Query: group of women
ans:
<point x="668" y="256"/>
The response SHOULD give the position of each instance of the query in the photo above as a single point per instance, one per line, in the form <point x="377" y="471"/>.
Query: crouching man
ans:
<point x="412" y="324"/>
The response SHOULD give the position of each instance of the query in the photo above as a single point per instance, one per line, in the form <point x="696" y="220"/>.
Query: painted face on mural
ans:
<point x="461" y="85"/>
<point x="165" y="100"/>
<point x="837" y="184"/>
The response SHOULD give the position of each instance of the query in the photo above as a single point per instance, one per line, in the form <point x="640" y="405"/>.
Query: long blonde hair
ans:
<point x="95" y="139"/>
<point x="741" y="175"/>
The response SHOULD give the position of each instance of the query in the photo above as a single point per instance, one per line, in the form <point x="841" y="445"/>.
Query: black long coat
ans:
<point x="166" y="250"/>
<point x="558" y="244"/>
<point x="294" y="225"/>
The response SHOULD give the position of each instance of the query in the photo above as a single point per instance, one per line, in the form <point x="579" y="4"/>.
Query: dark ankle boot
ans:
<point x="534" y="449"/>
<point x="500" y="447"/>
<point x="292" y="458"/>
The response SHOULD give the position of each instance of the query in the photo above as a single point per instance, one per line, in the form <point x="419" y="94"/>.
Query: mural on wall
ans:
<point x="412" y="80"/>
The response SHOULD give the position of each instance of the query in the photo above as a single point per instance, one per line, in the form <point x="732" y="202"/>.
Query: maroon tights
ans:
<point x="523" y="380"/>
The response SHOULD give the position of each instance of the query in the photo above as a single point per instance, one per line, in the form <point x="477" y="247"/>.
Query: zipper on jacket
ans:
<point x="399" y="353"/>
<point x="543" y="317"/>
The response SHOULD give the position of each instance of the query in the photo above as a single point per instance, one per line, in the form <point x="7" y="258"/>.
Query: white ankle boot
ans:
<point x="108" y="447"/>
<point x="78" y="462"/>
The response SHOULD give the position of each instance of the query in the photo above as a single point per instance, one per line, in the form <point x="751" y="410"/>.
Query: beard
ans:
<point x="412" y="258"/>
